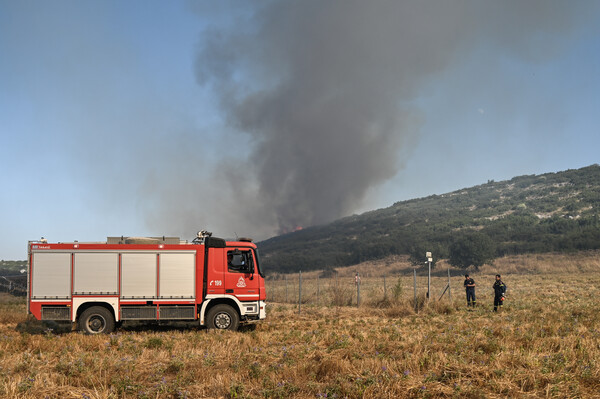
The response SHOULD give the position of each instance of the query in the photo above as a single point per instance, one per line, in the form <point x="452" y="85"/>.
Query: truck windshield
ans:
<point x="256" y="255"/>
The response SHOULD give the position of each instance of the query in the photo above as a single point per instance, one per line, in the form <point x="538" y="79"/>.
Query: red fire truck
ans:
<point x="99" y="285"/>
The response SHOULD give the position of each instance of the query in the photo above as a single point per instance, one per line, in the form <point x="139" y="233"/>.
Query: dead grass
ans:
<point x="398" y="265"/>
<point x="545" y="343"/>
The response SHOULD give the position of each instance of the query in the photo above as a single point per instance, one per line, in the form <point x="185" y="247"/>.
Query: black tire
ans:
<point x="96" y="320"/>
<point x="223" y="317"/>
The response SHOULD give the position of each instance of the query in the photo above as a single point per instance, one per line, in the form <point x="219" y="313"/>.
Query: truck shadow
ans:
<point x="34" y="327"/>
<point x="134" y="326"/>
<point x="37" y="327"/>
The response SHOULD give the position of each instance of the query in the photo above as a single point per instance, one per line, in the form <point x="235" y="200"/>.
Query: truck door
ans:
<point x="241" y="275"/>
<point x="215" y="276"/>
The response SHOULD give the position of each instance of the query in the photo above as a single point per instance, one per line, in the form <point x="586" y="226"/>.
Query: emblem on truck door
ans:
<point x="241" y="283"/>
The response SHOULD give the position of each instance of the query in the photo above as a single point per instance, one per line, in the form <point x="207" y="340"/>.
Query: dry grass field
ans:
<point x="544" y="343"/>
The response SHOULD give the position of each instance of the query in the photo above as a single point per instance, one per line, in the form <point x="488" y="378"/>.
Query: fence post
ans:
<point x="357" y="289"/>
<point x="449" y="290"/>
<point x="318" y="289"/>
<point x="286" y="289"/>
<point x="299" y="290"/>
<point x="415" y="289"/>
<point x="384" y="289"/>
<point x="428" y="280"/>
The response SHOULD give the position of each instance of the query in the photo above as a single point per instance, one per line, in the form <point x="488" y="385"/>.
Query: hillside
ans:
<point x="552" y="212"/>
<point x="10" y="267"/>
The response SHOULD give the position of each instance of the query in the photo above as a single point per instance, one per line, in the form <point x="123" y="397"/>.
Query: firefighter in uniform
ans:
<point x="470" y="289"/>
<point x="499" y="293"/>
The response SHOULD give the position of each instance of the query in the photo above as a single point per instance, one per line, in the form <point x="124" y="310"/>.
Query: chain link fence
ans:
<point x="15" y="285"/>
<point x="354" y="290"/>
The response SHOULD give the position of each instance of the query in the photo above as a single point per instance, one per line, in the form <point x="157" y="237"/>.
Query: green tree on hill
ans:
<point x="474" y="249"/>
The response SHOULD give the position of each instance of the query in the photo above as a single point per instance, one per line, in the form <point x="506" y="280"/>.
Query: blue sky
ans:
<point x="132" y="118"/>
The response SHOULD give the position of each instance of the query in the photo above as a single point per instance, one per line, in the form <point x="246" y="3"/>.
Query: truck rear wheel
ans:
<point x="223" y="317"/>
<point x="96" y="320"/>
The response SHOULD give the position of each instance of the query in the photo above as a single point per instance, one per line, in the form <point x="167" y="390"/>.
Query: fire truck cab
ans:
<point x="219" y="283"/>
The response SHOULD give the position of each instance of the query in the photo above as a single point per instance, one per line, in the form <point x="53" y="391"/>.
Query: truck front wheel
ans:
<point x="223" y="317"/>
<point x="96" y="320"/>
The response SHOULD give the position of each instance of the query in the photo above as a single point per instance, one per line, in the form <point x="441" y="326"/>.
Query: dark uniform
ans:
<point x="499" y="291"/>
<point x="470" y="291"/>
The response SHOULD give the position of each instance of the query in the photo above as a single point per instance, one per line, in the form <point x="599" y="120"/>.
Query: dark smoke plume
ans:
<point x="328" y="90"/>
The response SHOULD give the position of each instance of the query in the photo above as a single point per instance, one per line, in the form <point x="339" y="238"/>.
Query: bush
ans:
<point x="397" y="289"/>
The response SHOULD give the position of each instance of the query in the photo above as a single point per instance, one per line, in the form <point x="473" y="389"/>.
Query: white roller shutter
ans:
<point x="95" y="273"/>
<point x="138" y="275"/>
<point x="51" y="276"/>
<point x="177" y="275"/>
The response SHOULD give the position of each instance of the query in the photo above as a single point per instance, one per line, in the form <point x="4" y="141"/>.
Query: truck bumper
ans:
<point x="254" y="310"/>
<point x="259" y="314"/>
<point x="262" y="310"/>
